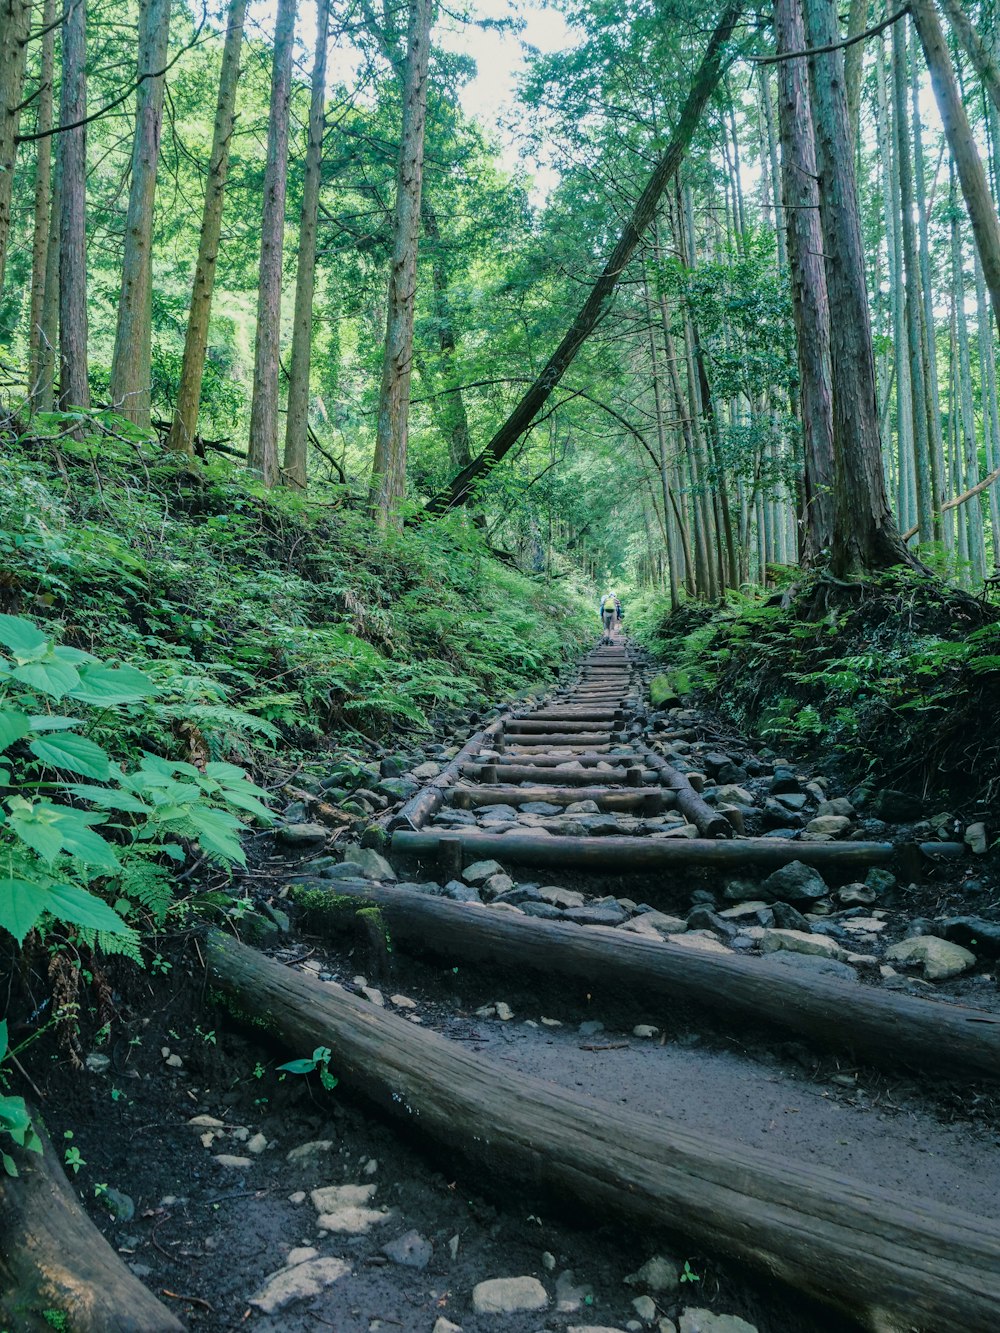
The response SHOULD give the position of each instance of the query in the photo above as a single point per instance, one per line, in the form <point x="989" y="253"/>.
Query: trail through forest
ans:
<point x="220" y="1160"/>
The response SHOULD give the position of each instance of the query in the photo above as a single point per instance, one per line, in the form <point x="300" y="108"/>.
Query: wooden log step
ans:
<point x="568" y="726"/>
<point x="557" y="777"/>
<point x="582" y="714"/>
<point x="886" y="1028"/>
<point x="426" y="802"/>
<point x="571" y="751"/>
<point x="651" y="800"/>
<point x="53" y="1258"/>
<point x="892" y="1262"/>
<point x="557" y="738"/>
<point x="586" y="760"/>
<point x="648" y="855"/>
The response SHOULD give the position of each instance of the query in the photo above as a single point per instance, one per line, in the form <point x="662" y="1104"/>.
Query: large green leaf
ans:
<point x="51" y="677"/>
<point x="218" y="833"/>
<point x="74" y="753"/>
<point x="109" y="798"/>
<point x="13" y="726"/>
<point x="70" y="903"/>
<point x="111" y="685"/>
<point x="21" y="905"/>
<point x="74" y="655"/>
<point x="53" y="722"/>
<point x="21" y="636"/>
<point x="49" y="829"/>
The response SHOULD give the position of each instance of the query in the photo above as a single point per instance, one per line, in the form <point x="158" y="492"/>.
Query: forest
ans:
<point x="409" y="497"/>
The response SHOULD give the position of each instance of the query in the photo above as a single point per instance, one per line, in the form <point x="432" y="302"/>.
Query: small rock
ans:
<point x="308" y="1152"/>
<point x="590" y="1028"/>
<point x="232" y="1162"/>
<point x="704" y="1321"/>
<point x="975" y="839"/>
<point x="503" y="1011"/>
<point x="411" y="1250"/>
<point x="973" y="932"/>
<point x="98" y="1064"/>
<point x="895" y="807"/>
<point x="206" y="1122"/>
<point x="301" y="837"/>
<point x="426" y="771"/>
<point x="645" y="1308"/>
<point x="119" y="1205"/>
<point x="596" y="916"/>
<point x="453" y="1246"/>
<point x="480" y="871"/>
<point x="548" y="1261"/>
<point x="297" y="1283"/>
<point x="299" y="1196"/>
<point x="940" y="959"/>
<point x="442" y="1325"/>
<point x="497" y="884"/>
<point x="374" y="996"/>
<point x="257" y="1144"/>
<point x="839" y="805"/>
<point x="787" y="917"/>
<point x="646" y="1031"/>
<point x="656" y="1274"/>
<point x="831" y="825"/>
<point x="551" y="893"/>
<point x="570" y="1295"/>
<point x="508" y="1295"/>
<point x="797" y="941"/>
<point x="795" y="882"/>
<point x="551" y="1023"/>
<point x="300" y="1255"/>
<point x="856" y="895"/>
<point x="173" y="1062"/>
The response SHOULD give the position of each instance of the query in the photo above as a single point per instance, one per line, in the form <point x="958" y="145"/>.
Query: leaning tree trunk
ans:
<point x="39" y="355"/>
<point x="810" y="305"/>
<point x="297" y="419"/>
<point x="185" y="420"/>
<point x="74" y="389"/>
<point x="263" y="452"/>
<point x="15" y="19"/>
<point x="53" y="1260"/>
<point x="131" y="363"/>
<point x="706" y="80"/>
<point x="982" y="214"/>
<point x="978" y="52"/>
<point x="388" y="484"/>
<point x="865" y="535"/>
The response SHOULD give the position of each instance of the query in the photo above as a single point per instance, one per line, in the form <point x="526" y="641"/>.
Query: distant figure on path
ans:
<point x="610" y="607"/>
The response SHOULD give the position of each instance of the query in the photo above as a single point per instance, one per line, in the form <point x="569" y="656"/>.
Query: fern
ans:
<point x="125" y="943"/>
<point x="145" y="882"/>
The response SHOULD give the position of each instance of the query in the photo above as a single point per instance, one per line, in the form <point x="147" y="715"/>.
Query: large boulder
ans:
<point x="794" y="883"/>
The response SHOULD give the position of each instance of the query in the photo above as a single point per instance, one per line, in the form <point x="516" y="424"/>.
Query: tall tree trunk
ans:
<point x="454" y="419"/>
<point x="865" y="534"/>
<point x="991" y="409"/>
<point x="971" y="515"/>
<point x="772" y="157"/>
<point x="595" y="306"/>
<point x="297" y="420"/>
<point x="262" y="454"/>
<point x="37" y="335"/>
<point x="810" y="305"/>
<point x="74" y="389"/>
<point x="185" y="420"/>
<point x="921" y="444"/>
<point x="854" y="64"/>
<point x="388" y="484"/>
<point x="15" y="18"/>
<point x="48" y="342"/>
<point x="934" y="432"/>
<point x="661" y="439"/>
<point x="982" y="213"/>
<point x="131" y="364"/>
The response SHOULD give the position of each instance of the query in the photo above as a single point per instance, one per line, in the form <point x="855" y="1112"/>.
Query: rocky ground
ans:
<point x="253" y="1196"/>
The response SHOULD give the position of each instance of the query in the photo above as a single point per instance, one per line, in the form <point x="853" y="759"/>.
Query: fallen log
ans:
<point x="53" y="1258"/>
<point x="883" y="1027"/>
<point x="429" y="799"/>
<point x="892" y="1262"/>
<point x="711" y="823"/>
<point x="648" y="855"/>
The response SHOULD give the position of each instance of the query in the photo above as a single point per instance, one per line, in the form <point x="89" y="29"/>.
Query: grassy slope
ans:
<point x="265" y="618"/>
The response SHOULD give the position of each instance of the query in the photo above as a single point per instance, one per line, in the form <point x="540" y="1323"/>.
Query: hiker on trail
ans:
<point x="609" y="614"/>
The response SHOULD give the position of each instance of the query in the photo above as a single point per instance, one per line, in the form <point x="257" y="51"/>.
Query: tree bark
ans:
<point x="185" y="419"/>
<point x="865" y="535"/>
<point x="262" y="455"/>
<point x="982" y="214"/>
<point x="388" y="482"/>
<point x="15" y="19"/>
<point x="74" y="388"/>
<point x="52" y="1257"/>
<point x="979" y="53"/>
<point x="454" y="419"/>
<point x="810" y="304"/>
<point x="706" y="80"/>
<point x="131" y="363"/>
<point x="890" y="1261"/>
<point x="297" y="419"/>
<point x="39" y="353"/>
<point x="914" y="299"/>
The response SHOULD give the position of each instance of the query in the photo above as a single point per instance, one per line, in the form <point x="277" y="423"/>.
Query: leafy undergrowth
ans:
<point x="894" y="681"/>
